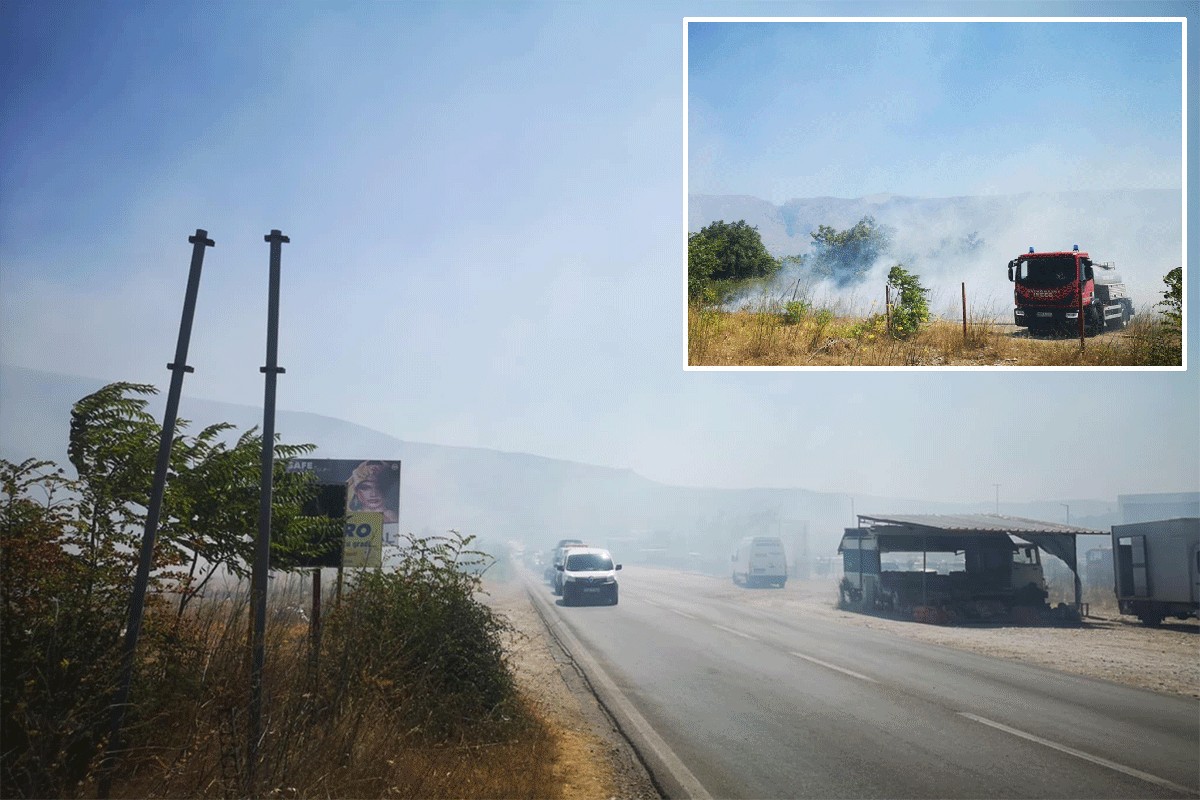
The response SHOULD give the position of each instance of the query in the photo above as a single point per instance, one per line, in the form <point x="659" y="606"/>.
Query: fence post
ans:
<point x="887" y="304"/>
<point x="964" y="304"/>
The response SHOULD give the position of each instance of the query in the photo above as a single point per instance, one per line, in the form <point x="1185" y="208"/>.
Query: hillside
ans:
<point x="500" y="495"/>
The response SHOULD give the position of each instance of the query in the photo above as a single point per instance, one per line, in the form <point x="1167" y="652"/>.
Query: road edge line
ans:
<point x="669" y="774"/>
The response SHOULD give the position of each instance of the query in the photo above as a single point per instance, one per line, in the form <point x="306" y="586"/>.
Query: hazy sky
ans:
<point x="785" y="109"/>
<point x="484" y="205"/>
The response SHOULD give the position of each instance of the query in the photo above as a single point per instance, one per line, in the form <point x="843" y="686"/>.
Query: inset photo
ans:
<point x="923" y="193"/>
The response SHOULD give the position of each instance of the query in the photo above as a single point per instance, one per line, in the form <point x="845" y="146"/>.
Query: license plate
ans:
<point x="1045" y="313"/>
<point x="592" y="590"/>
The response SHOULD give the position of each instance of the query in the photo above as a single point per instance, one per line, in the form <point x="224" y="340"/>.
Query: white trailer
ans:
<point x="1156" y="568"/>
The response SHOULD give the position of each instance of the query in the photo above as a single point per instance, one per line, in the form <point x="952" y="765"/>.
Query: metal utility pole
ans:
<point x="137" y="603"/>
<point x="1068" y="508"/>
<point x="997" y="498"/>
<point x="262" y="549"/>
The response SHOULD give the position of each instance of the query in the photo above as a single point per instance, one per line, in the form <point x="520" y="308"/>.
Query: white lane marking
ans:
<point x="735" y="633"/>
<point x="835" y="667"/>
<point x="680" y="613"/>
<point x="1104" y="762"/>
<point x="652" y="603"/>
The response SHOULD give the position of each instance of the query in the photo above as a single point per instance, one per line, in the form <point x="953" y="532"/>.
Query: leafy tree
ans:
<point x="209" y="517"/>
<point x="846" y="256"/>
<point x="1172" y="301"/>
<point x="738" y="249"/>
<point x="212" y="508"/>
<point x="703" y="262"/>
<point x="113" y="445"/>
<point x="68" y="552"/>
<point x="911" y="308"/>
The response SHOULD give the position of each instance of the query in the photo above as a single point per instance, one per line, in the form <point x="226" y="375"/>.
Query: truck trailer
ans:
<point x="1156" y="567"/>
<point x="1067" y="291"/>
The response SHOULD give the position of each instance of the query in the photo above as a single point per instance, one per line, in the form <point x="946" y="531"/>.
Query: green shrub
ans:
<point x="868" y="328"/>
<point x="419" y="637"/>
<point x="912" y="308"/>
<point x="59" y="639"/>
<point x="795" y="311"/>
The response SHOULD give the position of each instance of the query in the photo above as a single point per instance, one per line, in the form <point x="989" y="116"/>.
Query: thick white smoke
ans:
<point x="951" y="241"/>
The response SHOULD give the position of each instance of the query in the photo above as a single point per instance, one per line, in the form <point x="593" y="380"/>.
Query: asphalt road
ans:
<point x="758" y="706"/>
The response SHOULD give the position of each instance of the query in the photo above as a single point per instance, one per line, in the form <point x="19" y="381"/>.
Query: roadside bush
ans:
<point x="58" y="638"/>
<point x="420" y="639"/>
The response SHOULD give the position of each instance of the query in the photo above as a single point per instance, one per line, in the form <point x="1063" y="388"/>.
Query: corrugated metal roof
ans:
<point x="977" y="523"/>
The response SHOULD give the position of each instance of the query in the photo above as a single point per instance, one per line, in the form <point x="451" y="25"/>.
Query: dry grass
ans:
<point x="192" y="744"/>
<point x="765" y="337"/>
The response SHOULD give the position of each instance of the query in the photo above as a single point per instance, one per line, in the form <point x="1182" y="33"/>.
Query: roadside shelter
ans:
<point x="923" y="533"/>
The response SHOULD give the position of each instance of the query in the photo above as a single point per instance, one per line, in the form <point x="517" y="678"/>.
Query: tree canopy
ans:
<point x="846" y="256"/>
<point x="728" y="251"/>
<point x="1172" y="301"/>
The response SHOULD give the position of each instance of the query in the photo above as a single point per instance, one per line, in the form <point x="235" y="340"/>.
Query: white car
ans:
<point x="588" y="573"/>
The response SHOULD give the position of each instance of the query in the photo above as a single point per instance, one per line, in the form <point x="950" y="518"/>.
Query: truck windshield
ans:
<point x="589" y="562"/>
<point x="1047" y="271"/>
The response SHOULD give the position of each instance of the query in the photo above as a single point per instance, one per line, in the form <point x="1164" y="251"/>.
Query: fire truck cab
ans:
<point x="1055" y="289"/>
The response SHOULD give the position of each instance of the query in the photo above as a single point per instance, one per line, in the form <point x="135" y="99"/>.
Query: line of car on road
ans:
<point x="580" y="573"/>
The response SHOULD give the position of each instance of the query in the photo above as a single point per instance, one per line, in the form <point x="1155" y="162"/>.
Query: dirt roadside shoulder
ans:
<point x="594" y="759"/>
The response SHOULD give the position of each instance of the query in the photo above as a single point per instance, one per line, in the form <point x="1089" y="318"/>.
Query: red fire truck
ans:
<point x="1053" y="290"/>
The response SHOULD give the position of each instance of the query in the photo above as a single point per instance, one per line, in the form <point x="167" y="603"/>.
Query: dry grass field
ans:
<point x="367" y="747"/>
<point x="766" y="337"/>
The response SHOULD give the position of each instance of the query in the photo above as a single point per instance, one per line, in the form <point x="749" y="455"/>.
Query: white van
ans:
<point x="760" y="561"/>
<point x="553" y="573"/>
<point x="588" y="573"/>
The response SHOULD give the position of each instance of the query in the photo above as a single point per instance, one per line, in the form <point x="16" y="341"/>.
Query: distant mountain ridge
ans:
<point x="501" y="495"/>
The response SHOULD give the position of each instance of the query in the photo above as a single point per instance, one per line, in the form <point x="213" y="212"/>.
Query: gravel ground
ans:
<point x="1109" y="647"/>
<point x="594" y="759"/>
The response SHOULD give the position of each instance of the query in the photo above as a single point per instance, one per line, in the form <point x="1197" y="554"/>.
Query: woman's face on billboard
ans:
<point x="369" y="494"/>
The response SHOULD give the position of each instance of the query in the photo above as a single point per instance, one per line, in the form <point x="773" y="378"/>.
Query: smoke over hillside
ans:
<point x="501" y="495"/>
<point x="952" y="240"/>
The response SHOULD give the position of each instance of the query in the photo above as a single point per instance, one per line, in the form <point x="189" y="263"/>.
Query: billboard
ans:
<point x="370" y="486"/>
<point x="363" y="544"/>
